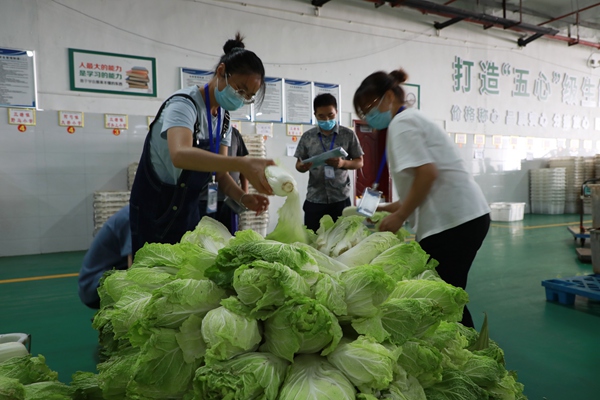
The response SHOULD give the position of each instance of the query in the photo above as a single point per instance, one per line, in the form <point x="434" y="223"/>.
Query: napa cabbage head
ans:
<point x="236" y="255"/>
<point x="161" y="370"/>
<point x="331" y="292"/>
<point x="247" y="376"/>
<point x="508" y="388"/>
<point x="326" y="264"/>
<point x="48" y="391"/>
<point x="184" y="260"/>
<point x="367" y="249"/>
<point x="404" y="387"/>
<point x="404" y="261"/>
<point x="86" y="385"/>
<point x="173" y="303"/>
<point x="367" y="287"/>
<point x="421" y="360"/>
<point x="115" y="282"/>
<point x="290" y="224"/>
<point x="452" y="299"/>
<point x="190" y="341"/>
<point x="367" y="364"/>
<point x="228" y="334"/>
<point x="264" y="286"/>
<point x="344" y="234"/>
<point x="116" y="372"/>
<point x="11" y="388"/>
<point x="449" y="340"/>
<point x="455" y="385"/>
<point x="483" y="371"/>
<point x="398" y="320"/>
<point x="312" y="377"/>
<point x="280" y="180"/>
<point x="301" y="325"/>
<point x="209" y="234"/>
<point x="27" y="369"/>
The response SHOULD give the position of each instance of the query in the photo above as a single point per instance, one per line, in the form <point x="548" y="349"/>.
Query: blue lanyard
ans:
<point x="381" y="166"/>
<point x="214" y="147"/>
<point x="332" y="141"/>
<point x="384" y="159"/>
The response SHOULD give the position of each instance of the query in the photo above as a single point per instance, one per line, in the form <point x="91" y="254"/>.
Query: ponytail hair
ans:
<point x="238" y="60"/>
<point x="375" y="85"/>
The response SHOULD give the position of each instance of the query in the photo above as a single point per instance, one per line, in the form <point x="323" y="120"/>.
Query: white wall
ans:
<point x="346" y="42"/>
<point x="48" y="177"/>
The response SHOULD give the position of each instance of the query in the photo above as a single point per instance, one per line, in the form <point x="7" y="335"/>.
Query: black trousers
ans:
<point x="455" y="249"/>
<point x="313" y="212"/>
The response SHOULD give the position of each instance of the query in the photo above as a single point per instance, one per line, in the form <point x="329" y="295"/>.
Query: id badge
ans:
<point x="369" y="202"/>
<point x="211" y="204"/>
<point x="329" y="172"/>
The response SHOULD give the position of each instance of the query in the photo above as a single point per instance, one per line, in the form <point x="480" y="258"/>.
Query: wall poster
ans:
<point x="17" y="78"/>
<point x="93" y="71"/>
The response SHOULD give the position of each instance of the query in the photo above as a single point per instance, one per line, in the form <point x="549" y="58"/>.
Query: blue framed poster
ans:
<point x="17" y="78"/>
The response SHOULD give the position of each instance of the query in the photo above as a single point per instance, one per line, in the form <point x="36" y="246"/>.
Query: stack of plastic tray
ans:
<point x="106" y="204"/>
<point x="547" y="190"/>
<point x="589" y="172"/>
<point x="574" y="179"/>
<point x="131" y="170"/>
<point x="249" y="220"/>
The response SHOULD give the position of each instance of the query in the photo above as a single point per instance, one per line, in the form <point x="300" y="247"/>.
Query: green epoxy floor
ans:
<point x="554" y="348"/>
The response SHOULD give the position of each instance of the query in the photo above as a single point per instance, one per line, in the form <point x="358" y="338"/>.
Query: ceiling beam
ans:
<point x="442" y="25"/>
<point x="524" y="41"/>
<point x="569" y="14"/>
<point x="485" y="19"/>
<point x="489" y="21"/>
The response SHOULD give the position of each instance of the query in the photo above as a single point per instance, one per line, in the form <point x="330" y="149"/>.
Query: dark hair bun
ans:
<point x="234" y="44"/>
<point x="399" y="76"/>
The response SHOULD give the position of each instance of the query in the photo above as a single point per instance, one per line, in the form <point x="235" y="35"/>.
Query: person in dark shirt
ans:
<point x="110" y="249"/>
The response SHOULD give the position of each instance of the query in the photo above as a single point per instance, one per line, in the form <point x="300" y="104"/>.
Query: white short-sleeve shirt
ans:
<point x="455" y="198"/>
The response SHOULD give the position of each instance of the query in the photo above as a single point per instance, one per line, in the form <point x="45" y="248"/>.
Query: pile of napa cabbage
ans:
<point x="343" y="313"/>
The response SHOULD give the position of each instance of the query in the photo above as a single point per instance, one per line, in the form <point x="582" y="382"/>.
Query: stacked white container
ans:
<point x="589" y="172"/>
<point x="547" y="190"/>
<point x="106" y="204"/>
<point x="249" y="220"/>
<point x="131" y="170"/>
<point x="574" y="178"/>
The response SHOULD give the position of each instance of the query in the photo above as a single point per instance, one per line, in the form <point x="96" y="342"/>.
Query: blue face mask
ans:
<point x="326" y="125"/>
<point x="228" y="98"/>
<point x="377" y="119"/>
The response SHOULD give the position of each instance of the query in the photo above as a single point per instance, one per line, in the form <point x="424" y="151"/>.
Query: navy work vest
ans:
<point x="162" y="212"/>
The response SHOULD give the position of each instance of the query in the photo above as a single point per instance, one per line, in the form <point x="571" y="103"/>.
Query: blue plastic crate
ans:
<point x="564" y="290"/>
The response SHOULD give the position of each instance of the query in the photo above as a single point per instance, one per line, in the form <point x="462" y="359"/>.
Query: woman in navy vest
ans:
<point x="181" y="152"/>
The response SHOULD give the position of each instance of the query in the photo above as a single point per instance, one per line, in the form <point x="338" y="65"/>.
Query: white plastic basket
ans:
<point x="507" y="211"/>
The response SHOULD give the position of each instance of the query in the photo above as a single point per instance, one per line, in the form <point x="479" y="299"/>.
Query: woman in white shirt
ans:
<point x="438" y="196"/>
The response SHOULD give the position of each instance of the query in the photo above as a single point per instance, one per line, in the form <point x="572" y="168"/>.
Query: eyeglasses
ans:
<point x="241" y="93"/>
<point x="370" y="107"/>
